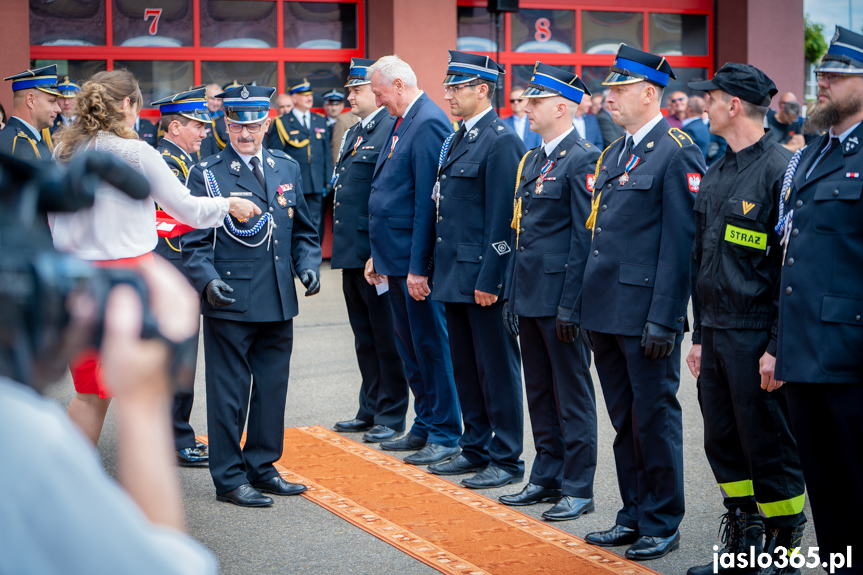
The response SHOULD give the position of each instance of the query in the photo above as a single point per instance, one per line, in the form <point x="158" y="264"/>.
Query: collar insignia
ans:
<point x="851" y="143"/>
<point x="563" y="152"/>
<point x="235" y="165"/>
<point x="271" y="163"/>
<point x="473" y="134"/>
<point x="649" y="145"/>
<point x="371" y="124"/>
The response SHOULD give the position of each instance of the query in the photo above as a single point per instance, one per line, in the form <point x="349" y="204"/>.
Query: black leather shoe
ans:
<point x="278" y="486"/>
<point x="432" y="453"/>
<point x="648" y="547"/>
<point x="458" y="465"/>
<point x="245" y="496"/>
<point x="352" y="426"/>
<point x="617" y="535"/>
<point x="407" y="442"/>
<point x="193" y="457"/>
<point x="532" y="493"/>
<point x="378" y="433"/>
<point x="569" y="507"/>
<point x="489" y="478"/>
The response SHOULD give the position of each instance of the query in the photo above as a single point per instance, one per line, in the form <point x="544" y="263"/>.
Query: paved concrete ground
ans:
<point x="295" y="536"/>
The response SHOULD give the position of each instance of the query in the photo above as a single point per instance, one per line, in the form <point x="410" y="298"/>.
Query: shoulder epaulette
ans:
<point x="602" y="155"/>
<point x="278" y="153"/>
<point x="585" y="144"/>
<point x="319" y="114"/>
<point x="681" y="137"/>
<point x="210" y="161"/>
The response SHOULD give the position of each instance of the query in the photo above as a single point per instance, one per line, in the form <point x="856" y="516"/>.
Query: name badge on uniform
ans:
<point x="241" y="194"/>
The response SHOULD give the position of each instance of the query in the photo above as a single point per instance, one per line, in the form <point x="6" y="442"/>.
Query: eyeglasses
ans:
<point x="455" y="89"/>
<point x="678" y="99"/>
<point x="830" y="77"/>
<point x="514" y="100"/>
<point x="237" y="128"/>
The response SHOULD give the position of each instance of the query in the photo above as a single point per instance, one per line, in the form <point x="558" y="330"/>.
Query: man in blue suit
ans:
<point x="518" y="121"/>
<point x="477" y="169"/>
<point x="245" y="273"/>
<point x="401" y="233"/>
<point x="694" y="125"/>
<point x="587" y="125"/>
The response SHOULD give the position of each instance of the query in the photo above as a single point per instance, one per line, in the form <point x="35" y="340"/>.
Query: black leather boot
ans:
<point x="739" y="532"/>
<point x="789" y="538"/>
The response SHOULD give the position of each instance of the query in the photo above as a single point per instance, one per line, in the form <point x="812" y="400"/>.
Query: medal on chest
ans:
<point x="359" y="141"/>
<point x="393" y="146"/>
<point x="281" y="199"/>
<point x="630" y="165"/>
<point x="542" y="174"/>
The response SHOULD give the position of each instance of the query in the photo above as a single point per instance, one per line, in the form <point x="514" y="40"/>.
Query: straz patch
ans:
<point x="591" y="180"/>
<point x="694" y="181"/>
<point x="501" y="248"/>
<point x="744" y="237"/>
<point x="748" y="210"/>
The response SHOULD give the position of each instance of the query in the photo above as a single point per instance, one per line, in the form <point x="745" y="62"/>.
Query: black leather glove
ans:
<point x="567" y="330"/>
<point x="216" y="291"/>
<point x="588" y="339"/>
<point x="657" y="340"/>
<point x="311" y="280"/>
<point x="510" y="321"/>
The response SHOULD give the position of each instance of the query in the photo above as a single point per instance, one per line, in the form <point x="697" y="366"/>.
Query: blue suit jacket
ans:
<point x="593" y="132"/>
<point x="700" y="134"/>
<point x="530" y="139"/>
<point x="401" y="211"/>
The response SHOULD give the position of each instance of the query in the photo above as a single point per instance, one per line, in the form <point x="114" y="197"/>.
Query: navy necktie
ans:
<point x="259" y="174"/>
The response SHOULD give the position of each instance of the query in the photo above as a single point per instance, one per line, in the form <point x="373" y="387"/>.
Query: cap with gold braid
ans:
<point x="548" y="81"/>
<point x="68" y="88"/>
<point x="632" y="65"/>
<point x="304" y="87"/>
<point x="231" y="84"/>
<point x="191" y="104"/>
<point x="44" y="79"/>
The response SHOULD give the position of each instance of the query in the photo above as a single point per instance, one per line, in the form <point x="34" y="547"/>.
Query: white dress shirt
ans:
<point x="519" y="125"/>
<point x="303" y="117"/>
<point x="578" y="123"/>
<point x="118" y="226"/>
<point x="549" y="147"/>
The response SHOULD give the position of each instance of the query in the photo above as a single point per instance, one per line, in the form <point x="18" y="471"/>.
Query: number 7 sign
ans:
<point x="156" y="13"/>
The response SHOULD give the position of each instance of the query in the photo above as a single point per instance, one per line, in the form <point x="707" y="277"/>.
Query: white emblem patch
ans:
<point x="244" y="93"/>
<point x="235" y="165"/>
<point x="499" y="128"/>
<point x="271" y="163"/>
<point x="501" y="248"/>
<point x="204" y="164"/>
<point x="473" y="134"/>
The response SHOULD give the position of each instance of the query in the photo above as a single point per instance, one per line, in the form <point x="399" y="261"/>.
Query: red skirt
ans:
<point x="86" y="368"/>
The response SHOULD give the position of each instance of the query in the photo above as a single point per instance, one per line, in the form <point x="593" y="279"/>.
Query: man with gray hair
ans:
<point x="401" y="231"/>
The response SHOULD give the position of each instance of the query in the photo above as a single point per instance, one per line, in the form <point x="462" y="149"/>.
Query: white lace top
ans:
<point x="118" y="226"/>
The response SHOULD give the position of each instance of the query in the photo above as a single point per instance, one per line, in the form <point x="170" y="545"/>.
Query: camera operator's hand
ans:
<point x="311" y="281"/>
<point x="216" y="291"/>
<point x="242" y="208"/>
<point x="136" y="371"/>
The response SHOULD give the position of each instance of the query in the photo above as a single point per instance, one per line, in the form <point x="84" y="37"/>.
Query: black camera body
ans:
<point x="39" y="285"/>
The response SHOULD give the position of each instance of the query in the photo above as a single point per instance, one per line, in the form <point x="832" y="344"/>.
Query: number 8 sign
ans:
<point x="543" y="30"/>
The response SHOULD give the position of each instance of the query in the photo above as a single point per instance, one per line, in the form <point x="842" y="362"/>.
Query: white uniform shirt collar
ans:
<point x="468" y="124"/>
<point x="645" y="129"/>
<point x="302" y="117"/>
<point x="579" y="124"/>
<point x="519" y="123"/>
<point x="246" y="159"/>
<point x="844" y="134"/>
<point x="414" y="101"/>
<point x="549" y="147"/>
<point x="365" y="121"/>
<point x="36" y="133"/>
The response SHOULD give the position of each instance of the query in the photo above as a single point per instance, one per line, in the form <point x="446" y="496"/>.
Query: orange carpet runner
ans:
<point x="456" y="531"/>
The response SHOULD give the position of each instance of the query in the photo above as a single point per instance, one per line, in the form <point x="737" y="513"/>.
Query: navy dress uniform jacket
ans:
<point x="17" y="140"/>
<point x="401" y="210"/>
<point x="472" y="248"/>
<point x="820" y="299"/>
<point x="638" y="267"/>
<point x="351" y="247"/>
<point x="148" y="131"/>
<point x="179" y="162"/>
<point x="254" y="273"/>
<point x="548" y="264"/>
<point x="310" y="147"/>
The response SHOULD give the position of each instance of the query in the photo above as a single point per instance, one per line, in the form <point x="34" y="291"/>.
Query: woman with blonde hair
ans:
<point x="119" y="231"/>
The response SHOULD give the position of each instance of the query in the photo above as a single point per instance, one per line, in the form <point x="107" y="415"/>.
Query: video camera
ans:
<point x="39" y="333"/>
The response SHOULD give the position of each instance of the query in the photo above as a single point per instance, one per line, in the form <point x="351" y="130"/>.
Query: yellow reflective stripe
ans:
<point x="737" y="488"/>
<point x="791" y="506"/>
<point x="744" y="237"/>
